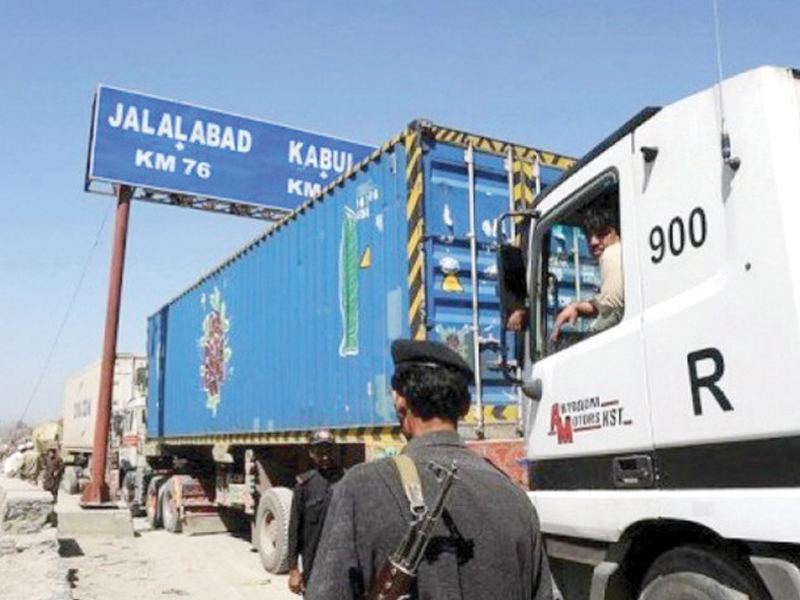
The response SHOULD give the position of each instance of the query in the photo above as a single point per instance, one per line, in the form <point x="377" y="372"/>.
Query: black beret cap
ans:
<point x="406" y="352"/>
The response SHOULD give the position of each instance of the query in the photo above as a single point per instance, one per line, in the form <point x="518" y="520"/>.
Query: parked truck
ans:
<point x="81" y="392"/>
<point x="292" y="333"/>
<point x="663" y="451"/>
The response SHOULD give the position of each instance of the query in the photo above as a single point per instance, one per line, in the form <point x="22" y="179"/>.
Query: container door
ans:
<point x="467" y="193"/>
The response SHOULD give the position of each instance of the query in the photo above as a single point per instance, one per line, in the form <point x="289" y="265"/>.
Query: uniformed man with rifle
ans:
<point x="438" y="523"/>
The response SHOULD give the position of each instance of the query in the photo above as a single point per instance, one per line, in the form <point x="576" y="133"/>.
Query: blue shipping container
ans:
<point x="293" y="332"/>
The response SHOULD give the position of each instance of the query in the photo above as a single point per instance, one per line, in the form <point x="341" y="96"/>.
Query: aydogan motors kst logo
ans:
<point x="589" y="414"/>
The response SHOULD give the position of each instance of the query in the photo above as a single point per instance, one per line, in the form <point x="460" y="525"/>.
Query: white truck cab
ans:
<point x="663" y="432"/>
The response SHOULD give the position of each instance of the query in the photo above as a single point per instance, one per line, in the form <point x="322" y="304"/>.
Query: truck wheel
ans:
<point x="170" y="511"/>
<point x="271" y="531"/>
<point x="152" y="508"/>
<point x="698" y="573"/>
<point x="69" y="481"/>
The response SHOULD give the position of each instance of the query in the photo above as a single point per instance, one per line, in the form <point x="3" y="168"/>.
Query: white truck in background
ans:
<point x="129" y="398"/>
<point x="664" y="451"/>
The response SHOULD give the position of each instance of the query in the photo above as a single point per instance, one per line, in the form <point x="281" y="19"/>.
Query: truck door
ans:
<point x="590" y="428"/>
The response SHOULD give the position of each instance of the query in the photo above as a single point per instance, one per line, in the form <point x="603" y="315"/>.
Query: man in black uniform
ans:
<point x="309" y="503"/>
<point x="487" y="543"/>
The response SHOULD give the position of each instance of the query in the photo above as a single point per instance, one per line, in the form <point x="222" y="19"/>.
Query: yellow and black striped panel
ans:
<point x="415" y="217"/>
<point x="498" y="147"/>
<point x="523" y="173"/>
<point x="350" y="435"/>
<point x="495" y="413"/>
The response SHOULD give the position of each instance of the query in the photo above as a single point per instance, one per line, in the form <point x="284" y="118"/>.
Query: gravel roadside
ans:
<point x="158" y="564"/>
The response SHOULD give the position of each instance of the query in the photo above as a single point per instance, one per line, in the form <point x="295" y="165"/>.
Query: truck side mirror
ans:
<point x="511" y="285"/>
<point x="513" y="294"/>
<point x="511" y="268"/>
<point x="510" y="280"/>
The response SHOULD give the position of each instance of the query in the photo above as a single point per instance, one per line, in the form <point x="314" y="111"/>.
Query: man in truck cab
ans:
<point x="309" y="504"/>
<point x="602" y="228"/>
<point x="601" y="222"/>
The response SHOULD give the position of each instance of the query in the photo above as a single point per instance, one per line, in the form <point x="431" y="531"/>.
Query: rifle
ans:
<point x="398" y="572"/>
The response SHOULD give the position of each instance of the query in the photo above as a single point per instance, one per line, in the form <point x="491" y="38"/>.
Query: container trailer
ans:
<point x="292" y="333"/>
<point x="81" y="392"/>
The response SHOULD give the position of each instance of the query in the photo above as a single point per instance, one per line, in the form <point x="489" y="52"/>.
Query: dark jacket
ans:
<point x="487" y="544"/>
<point x="309" y="504"/>
<point x="52" y="468"/>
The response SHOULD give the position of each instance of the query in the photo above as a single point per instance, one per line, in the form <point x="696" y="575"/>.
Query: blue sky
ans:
<point x="554" y="75"/>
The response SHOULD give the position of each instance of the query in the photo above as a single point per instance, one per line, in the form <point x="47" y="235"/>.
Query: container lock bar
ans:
<point x="469" y="158"/>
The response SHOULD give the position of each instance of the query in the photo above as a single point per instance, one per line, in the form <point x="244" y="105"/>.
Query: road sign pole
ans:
<point x="97" y="492"/>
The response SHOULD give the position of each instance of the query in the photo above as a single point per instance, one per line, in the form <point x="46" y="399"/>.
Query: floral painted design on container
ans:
<point x="216" y="354"/>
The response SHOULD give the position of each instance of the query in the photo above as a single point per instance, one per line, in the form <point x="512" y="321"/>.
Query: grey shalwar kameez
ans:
<point x="486" y="546"/>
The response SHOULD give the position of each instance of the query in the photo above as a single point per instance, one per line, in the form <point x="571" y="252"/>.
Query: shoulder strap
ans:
<point x="304" y="478"/>
<point x="411" y="484"/>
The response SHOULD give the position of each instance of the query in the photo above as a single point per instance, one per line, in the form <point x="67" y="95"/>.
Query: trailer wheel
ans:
<point x="698" y="573"/>
<point x="170" y="511"/>
<point x="152" y="508"/>
<point x="271" y="531"/>
<point x="69" y="481"/>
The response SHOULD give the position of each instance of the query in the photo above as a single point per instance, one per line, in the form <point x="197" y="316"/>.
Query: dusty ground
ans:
<point x="30" y="568"/>
<point x="158" y="564"/>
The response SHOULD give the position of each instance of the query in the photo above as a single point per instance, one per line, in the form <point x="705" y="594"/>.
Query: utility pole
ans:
<point x="96" y="493"/>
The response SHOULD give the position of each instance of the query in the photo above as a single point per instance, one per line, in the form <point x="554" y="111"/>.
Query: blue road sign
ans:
<point x="170" y="146"/>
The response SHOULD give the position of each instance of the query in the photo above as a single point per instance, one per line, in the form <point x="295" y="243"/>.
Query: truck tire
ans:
<point x="271" y="531"/>
<point x="152" y="502"/>
<point x="170" y="511"/>
<point x="69" y="481"/>
<point x="699" y="573"/>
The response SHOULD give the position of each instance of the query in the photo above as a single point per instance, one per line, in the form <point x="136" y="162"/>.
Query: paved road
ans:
<point x="158" y="564"/>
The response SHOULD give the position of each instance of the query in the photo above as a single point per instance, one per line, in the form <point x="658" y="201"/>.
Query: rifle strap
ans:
<point x="411" y="484"/>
